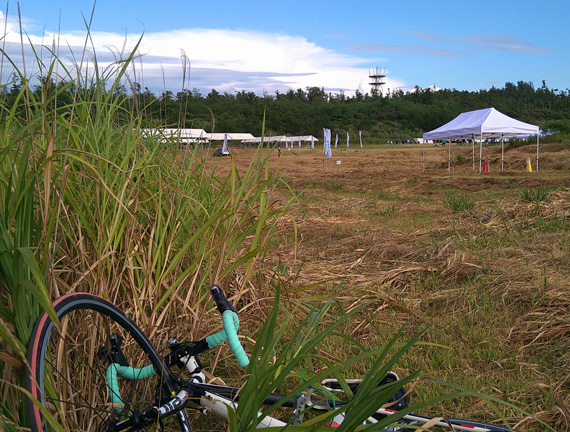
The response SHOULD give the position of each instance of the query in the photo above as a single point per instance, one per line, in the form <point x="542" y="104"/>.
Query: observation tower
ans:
<point x="377" y="80"/>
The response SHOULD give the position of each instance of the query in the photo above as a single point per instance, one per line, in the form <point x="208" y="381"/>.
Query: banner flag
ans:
<point x="312" y="142"/>
<point x="225" y="146"/>
<point x="336" y="140"/>
<point x="347" y="140"/>
<point x="360" y="135"/>
<point x="299" y="143"/>
<point x="327" y="142"/>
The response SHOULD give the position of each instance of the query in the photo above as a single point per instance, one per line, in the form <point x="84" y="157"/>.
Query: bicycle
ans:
<point x="96" y="335"/>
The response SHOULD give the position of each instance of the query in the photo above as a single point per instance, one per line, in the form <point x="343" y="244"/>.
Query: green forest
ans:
<point x="397" y="116"/>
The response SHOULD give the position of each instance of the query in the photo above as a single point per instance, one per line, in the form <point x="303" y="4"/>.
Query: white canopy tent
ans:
<point x="232" y="136"/>
<point x="271" y="139"/>
<point x="282" y="138"/>
<point x="180" y="135"/>
<point x="304" y="138"/>
<point x="480" y="124"/>
<point x="185" y="135"/>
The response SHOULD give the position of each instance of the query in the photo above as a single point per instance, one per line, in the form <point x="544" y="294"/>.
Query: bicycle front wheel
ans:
<point x="68" y="363"/>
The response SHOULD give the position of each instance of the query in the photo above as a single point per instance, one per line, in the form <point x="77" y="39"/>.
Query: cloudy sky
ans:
<point x="265" y="46"/>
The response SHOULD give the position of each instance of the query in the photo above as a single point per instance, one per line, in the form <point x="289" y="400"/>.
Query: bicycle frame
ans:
<point x="213" y="400"/>
<point x="173" y="393"/>
<point x="217" y="404"/>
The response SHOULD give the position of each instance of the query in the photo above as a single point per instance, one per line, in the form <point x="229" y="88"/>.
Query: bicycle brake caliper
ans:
<point x="115" y="354"/>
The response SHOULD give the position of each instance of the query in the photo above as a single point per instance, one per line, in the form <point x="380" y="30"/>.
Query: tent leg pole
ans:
<point x="537" y="146"/>
<point x="473" y="149"/>
<point x="502" y="153"/>
<point x="480" y="152"/>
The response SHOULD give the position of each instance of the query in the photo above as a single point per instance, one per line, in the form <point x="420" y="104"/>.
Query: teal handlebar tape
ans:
<point x="127" y="372"/>
<point x="229" y="333"/>
<point x="220" y="337"/>
<point x="231" y="324"/>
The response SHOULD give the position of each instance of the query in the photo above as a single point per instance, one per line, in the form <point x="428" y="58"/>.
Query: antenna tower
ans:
<point x="377" y="80"/>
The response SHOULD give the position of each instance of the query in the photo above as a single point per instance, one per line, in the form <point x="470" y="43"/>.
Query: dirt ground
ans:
<point x="473" y="274"/>
<point x="361" y="197"/>
<point x="392" y="163"/>
<point x="376" y="220"/>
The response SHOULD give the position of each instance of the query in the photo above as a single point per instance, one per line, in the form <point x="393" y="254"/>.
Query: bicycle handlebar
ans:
<point x="222" y="302"/>
<point x="128" y="372"/>
<point x="230" y="321"/>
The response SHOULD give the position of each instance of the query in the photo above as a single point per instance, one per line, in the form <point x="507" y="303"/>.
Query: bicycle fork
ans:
<point x="119" y="366"/>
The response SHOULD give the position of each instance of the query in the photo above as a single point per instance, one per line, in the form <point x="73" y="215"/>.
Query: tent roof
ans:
<point x="282" y="138"/>
<point x="231" y="136"/>
<point x="185" y="132"/>
<point x="182" y="135"/>
<point x="279" y="138"/>
<point x="487" y="122"/>
<point x="304" y="138"/>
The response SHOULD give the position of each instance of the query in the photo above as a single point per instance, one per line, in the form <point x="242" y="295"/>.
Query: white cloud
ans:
<point x="227" y="60"/>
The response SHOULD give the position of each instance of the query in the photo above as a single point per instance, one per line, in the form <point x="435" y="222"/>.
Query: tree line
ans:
<point x="396" y="116"/>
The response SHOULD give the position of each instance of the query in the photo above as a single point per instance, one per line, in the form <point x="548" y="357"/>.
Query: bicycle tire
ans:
<point x="448" y="424"/>
<point x="78" y="398"/>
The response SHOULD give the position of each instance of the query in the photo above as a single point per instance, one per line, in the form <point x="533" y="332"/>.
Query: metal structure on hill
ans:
<point x="377" y="80"/>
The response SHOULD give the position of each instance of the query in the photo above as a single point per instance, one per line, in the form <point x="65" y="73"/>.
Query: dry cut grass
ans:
<point x="482" y="258"/>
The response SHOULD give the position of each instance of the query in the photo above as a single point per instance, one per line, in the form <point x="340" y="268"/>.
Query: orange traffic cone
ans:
<point x="528" y="165"/>
<point x="485" y="166"/>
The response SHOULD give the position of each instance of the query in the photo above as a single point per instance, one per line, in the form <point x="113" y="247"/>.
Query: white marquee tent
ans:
<point x="232" y="136"/>
<point x="271" y="139"/>
<point x="282" y="138"/>
<point x="180" y="135"/>
<point x="481" y="124"/>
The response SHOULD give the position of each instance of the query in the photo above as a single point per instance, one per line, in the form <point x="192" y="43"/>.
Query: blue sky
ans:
<point x="264" y="46"/>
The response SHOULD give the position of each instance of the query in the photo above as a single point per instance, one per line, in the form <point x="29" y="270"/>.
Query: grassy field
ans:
<point x="484" y="259"/>
<point x="361" y="246"/>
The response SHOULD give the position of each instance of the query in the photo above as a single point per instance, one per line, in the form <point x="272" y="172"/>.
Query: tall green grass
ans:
<point x="92" y="203"/>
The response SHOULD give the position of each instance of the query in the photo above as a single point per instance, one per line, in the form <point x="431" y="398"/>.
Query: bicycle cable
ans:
<point x="321" y="390"/>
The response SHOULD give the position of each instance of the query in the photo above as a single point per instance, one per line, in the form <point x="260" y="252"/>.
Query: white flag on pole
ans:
<point x="336" y="140"/>
<point x="312" y="142"/>
<point x="360" y="135"/>
<point x="299" y="143"/>
<point x="225" y="146"/>
<point x="347" y="140"/>
<point x="327" y="142"/>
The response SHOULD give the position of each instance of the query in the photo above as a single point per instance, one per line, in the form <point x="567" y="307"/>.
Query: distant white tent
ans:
<point x="272" y="139"/>
<point x="230" y="136"/>
<point x="180" y="135"/>
<point x="281" y="138"/>
<point x="184" y="135"/>
<point x="480" y="124"/>
<point x="304" y="138"/>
